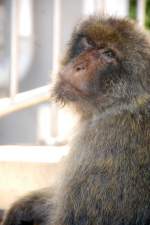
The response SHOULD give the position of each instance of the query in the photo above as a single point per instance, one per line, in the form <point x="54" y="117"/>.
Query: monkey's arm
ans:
<point x="32" y="209"/>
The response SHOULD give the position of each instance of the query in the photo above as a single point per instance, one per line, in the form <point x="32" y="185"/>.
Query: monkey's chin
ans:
<point x="63" y="93"/>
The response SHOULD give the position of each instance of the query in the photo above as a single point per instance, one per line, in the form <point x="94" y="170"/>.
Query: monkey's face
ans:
<point x="97" y="68"/>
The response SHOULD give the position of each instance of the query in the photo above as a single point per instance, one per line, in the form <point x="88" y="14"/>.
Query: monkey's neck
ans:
<point x="105" y="131"/>
<point x="136" y="106"/>
<point x="105" y="140"/>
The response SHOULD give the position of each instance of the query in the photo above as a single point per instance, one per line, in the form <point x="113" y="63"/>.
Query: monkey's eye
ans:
<point x="109" y="55"/>
<point x="86" y="43"/>
<point x="82" y="45"/>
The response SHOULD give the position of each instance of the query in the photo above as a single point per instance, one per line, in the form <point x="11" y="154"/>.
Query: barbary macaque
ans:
<point x="105" y="78"/>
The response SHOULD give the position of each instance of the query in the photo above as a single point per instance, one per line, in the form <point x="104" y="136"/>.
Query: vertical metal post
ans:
<point x="56" y="52"/>
<point x="141" y="5"/>
<point x="88" y="7"/>
<point x="100" y="6"/>
<point x="13" y="86"/>
<point x="117" y="8"/>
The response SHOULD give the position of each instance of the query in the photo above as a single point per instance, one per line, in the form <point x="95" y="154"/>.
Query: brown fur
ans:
<point x="107" y="176"/>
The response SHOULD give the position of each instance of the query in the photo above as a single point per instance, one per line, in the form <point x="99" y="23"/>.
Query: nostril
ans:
<point x="80" y="67"/>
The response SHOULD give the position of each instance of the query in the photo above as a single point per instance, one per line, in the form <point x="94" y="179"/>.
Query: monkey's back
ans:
<point x="108" y="180"/>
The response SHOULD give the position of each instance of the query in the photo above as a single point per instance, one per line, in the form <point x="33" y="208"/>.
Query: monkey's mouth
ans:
<point x="66" y="91"/>
<point x="69" y="87"/>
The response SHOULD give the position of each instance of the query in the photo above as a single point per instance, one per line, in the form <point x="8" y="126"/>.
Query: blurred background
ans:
<point x="33" y="131"/>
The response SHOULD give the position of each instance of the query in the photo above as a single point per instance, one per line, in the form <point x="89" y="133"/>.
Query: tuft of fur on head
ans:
<point x="133" y="79"/>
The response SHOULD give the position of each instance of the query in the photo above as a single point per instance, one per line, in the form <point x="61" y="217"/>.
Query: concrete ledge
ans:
<point x="41" y="154"/>
<point x="27" y="168"/>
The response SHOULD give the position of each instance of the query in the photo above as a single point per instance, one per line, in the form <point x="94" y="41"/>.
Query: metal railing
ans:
<point x="24" y="100"/>
<point x="19" y="101"/>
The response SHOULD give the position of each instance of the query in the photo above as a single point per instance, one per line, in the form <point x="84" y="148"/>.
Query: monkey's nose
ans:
<point x="80" y="67"/>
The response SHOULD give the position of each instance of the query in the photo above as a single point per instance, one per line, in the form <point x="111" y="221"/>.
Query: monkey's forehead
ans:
<point x="107" y="29"/>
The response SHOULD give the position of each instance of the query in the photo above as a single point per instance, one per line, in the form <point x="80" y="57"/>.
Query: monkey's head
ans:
<point x="107" y="64"/>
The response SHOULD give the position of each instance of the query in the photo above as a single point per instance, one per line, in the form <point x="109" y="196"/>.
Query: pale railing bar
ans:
<point x="24" y="100"/>
<point x="55" y="64"/>
<point x="13" y="85"/>
<point x="141" y="7"/>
